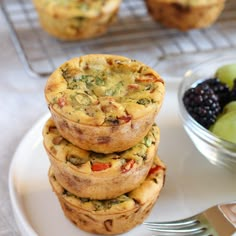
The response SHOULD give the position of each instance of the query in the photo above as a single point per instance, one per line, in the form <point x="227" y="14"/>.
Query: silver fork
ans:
<point x="219" y="220"/>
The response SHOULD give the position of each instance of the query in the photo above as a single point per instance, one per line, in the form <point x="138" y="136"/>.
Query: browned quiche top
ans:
<point x="104" y="90"/>
<point x="76" y="8"/>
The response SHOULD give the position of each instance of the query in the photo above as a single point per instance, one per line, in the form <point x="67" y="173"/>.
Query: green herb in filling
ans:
<point x="144" y="101"/>
<point x="84" y="199"/>
<point x="68" y="194"/>
<point x="115" y="90"/>
<point x="147" y="141"/>
<point x="148" y="87"/>
<point x="107" y="204"/>
<point x="99" y="204"/>
<point x="76" y="160"/>
<point x="99" y="81"/>
<point x="112" y="120"/>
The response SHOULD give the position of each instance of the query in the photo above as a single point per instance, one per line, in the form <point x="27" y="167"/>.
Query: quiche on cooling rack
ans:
<point x="104" y="103"/>
<point x="185" y="14"/>
<point x="76" y="19"/>
<point x="95" y="175"/>
<point x="112" y="216"/>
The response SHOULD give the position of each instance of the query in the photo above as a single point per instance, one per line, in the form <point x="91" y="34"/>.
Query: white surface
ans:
<point x="22" y="103"/>
<point x="192" y="183"/>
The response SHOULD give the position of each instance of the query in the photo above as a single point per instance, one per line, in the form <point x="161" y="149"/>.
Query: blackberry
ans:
<point x="202" y="104"/>
<point x="220" y="89"/>
<point x="233" y="92"/>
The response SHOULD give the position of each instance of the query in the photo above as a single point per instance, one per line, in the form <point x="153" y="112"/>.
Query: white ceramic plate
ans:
<point x="192" y="183"/>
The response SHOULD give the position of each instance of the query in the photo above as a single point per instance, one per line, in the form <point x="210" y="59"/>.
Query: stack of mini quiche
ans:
<point x="102" y="141"/>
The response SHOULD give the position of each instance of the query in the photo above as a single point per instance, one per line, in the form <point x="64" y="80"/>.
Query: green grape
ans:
<point x="225" y="126"/>
<point x="230" y="107"/>
<point x="227" y="74"/>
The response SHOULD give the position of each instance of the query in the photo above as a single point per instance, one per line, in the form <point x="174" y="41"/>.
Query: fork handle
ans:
<point x="229" y="211"/>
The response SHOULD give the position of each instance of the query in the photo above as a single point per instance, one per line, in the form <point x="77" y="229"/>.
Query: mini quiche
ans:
<point x="91" y="175"/>
<point x="104" y="103"/>
<point x="76" y="19"/>
<point x="185" y="14"/>
<point x="112" y="216"/>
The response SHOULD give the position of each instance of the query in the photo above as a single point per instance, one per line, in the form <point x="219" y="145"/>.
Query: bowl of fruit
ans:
<point x="207" y="100"/>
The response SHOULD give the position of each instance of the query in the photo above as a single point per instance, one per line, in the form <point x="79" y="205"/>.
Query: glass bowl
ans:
<point x="218" y="151"/>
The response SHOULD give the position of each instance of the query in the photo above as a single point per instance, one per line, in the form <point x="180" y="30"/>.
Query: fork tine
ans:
<point x="178" y="231"/>
<point x="188" y="226"/>
<point x="191" y="221"/>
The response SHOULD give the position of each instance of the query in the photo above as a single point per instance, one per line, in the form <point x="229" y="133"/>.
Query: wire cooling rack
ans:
<point x="134" y="34"/>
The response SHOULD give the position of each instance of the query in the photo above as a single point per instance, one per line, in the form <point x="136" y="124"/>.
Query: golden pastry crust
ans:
<point x="104" y="103"/>
<point x="75" y="20"/>
<point x="185" y="14"/>
<point x="113" y="216"/>
<point x="91" y="175"/>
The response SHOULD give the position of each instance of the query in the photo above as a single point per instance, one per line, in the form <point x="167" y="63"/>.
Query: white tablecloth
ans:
<point x="22" y="103"/>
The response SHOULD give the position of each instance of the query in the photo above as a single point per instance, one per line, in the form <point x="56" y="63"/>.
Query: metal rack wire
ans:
<point x="134" y="34"/>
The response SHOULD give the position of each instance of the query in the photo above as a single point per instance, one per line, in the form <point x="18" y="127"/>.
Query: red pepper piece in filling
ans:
<point x="154" y="169"/>
<point x="149" y="78"/>
<point x="125" y="118"/>
<point x="61" y="102"/>
<point x="133" y="86"/>
<point x="98" y="166"/>
<point x="127" y="166"/>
